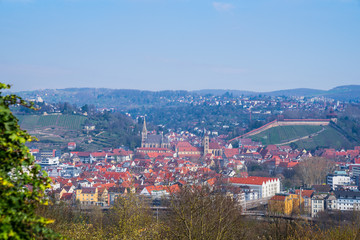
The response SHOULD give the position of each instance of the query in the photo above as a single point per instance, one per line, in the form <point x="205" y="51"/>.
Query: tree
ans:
<point x="200" y="213"/>
<point x="314" y="170"/>
<point x="131" y="218"/>
<point x="21" y="184"/>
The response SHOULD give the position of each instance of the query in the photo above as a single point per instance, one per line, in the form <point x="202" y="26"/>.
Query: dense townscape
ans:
<point x="164" y="163"/>
<point x="246" y="159"/>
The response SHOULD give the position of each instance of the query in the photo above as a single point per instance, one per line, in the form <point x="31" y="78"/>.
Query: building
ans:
<point x="306" y="195"/>
<point x="211" y="147"/>
<point x="346" y="200"/>
<point x="285" y="204"/>
<point x="114" y="193"/>
<point x="49" y="161"/>
<point x="266" y="187"/>
<point x="317" y="204"/>
<point x="87" y="195"/>
<point x="152" y="140"/>
<point x="338" y="180"/>
<point x="331" y="202"/>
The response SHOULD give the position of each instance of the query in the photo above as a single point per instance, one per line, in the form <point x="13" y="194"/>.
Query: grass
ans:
<point x="278" y="135"/>
<point x="31" y="122"/>
<point x="330" y="137"/>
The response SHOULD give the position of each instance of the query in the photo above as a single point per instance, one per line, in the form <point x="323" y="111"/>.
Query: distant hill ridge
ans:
<point x="105" y="97"/>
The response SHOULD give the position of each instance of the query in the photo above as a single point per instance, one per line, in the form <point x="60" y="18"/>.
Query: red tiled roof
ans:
<point x="251" y="180"/>
<point x="304" y="193"/>
<point x="214" y="145"/>
<point x="278" y="198"/>
<point x="66" y="196"/>
<point x="229" y="153"/>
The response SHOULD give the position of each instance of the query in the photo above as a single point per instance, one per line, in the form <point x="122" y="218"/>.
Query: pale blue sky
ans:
<point x="258" y="45"/>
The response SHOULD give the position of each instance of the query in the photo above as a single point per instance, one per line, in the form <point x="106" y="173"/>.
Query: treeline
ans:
<point x="192" y="213"/>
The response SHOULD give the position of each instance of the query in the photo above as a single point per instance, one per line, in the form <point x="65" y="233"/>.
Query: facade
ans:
<point x="153" y="141"/>
<point x="114" y="193"/>
<point x="317" y="204"/>
<point x="87" y="195"/>
<point x="336" y="181"/>
<point x="50" y="161"/>
<point x="346" y="200"/>
<point x="211" y="147"/>
<point x="306" y="195"/>
<point x="285" y="204"/>
<point x="331" y="202"/>
<point x="266" y="187"/>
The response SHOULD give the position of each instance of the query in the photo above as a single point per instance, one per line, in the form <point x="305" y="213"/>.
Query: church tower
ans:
<point x="143" y="134"/>
<point x="206" y="144"/>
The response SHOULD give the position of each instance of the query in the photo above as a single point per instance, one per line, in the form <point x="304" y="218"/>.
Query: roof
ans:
<point x="230" y="152"/>
<point x="321" y="188"/>
<point x="305" y="193"/>
<point x="251" y="180"/>
<point x="88" y="190"/>
<point x="214" y="145"/>
<point x="278" y="198"/>
<point x="347" y="194"/>
<point x="66" y="196"/>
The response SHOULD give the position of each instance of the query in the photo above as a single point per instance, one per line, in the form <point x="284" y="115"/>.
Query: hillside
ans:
<point x="72" y="122"/>
<point x="307" y="137"/>
<point x="55" y="131"/>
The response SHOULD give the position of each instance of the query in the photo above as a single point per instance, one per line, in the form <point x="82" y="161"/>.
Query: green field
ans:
<point x="278" y="135"/>
<point x="330" y="137"/>
<point x="31" y="122"/>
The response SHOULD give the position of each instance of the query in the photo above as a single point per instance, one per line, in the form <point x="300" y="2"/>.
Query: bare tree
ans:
<point x="314" y="170"/>
<point x="200" y="213"/>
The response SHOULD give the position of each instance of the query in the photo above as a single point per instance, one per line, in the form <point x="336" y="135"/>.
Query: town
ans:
<point x="166" y="162"/>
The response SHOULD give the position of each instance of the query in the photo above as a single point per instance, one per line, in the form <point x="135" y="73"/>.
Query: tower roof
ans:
<point x="144" y="126"/>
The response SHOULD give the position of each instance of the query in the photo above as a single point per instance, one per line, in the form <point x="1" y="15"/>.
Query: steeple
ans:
<point x="144" y="126"/>
<point x="206" y="144"/>
<point x="143" y="133"/>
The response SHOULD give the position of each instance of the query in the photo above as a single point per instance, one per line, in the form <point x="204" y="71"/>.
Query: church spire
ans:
<point x="143" y="134"/>
<point x="144" y="126"/>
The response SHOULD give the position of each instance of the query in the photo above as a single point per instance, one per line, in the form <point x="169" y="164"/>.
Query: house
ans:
<point x="68" y="198"/>
<point x="338" y="180"/>
<point x="115" y="192"/>
<point x="306" y="195"/>
<point x="285" y="204"/>
<point x="87" y="195"/>
<point x="103" y="196"/>
<point x="318" y="203"/>
<point x="347" y="200"/>
<point x="266" y="187"/>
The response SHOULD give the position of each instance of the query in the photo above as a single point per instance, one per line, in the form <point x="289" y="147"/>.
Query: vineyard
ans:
<point x="30" y="122"/>
<point x="308" y="137"/>
<point x="278" y="135"/>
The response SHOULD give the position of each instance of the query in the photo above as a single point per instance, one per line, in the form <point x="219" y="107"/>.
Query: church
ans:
<point x="153" y="140"/>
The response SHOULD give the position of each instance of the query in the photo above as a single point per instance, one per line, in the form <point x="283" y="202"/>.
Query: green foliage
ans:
<point x="21" y="185"/>
<point x="329" y="137"/>
<point x="74" y="122"/>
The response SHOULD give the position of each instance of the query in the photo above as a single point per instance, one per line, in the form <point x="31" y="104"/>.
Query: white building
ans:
<point x="338" y="180"/>
<point x="317" y="204"/>
<point x="50" y="161"/>
<point x="347" y="200"/>
<point x="266" y="187"/>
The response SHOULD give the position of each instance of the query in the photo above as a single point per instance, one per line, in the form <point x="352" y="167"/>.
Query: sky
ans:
<point x="256" y="45"/>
